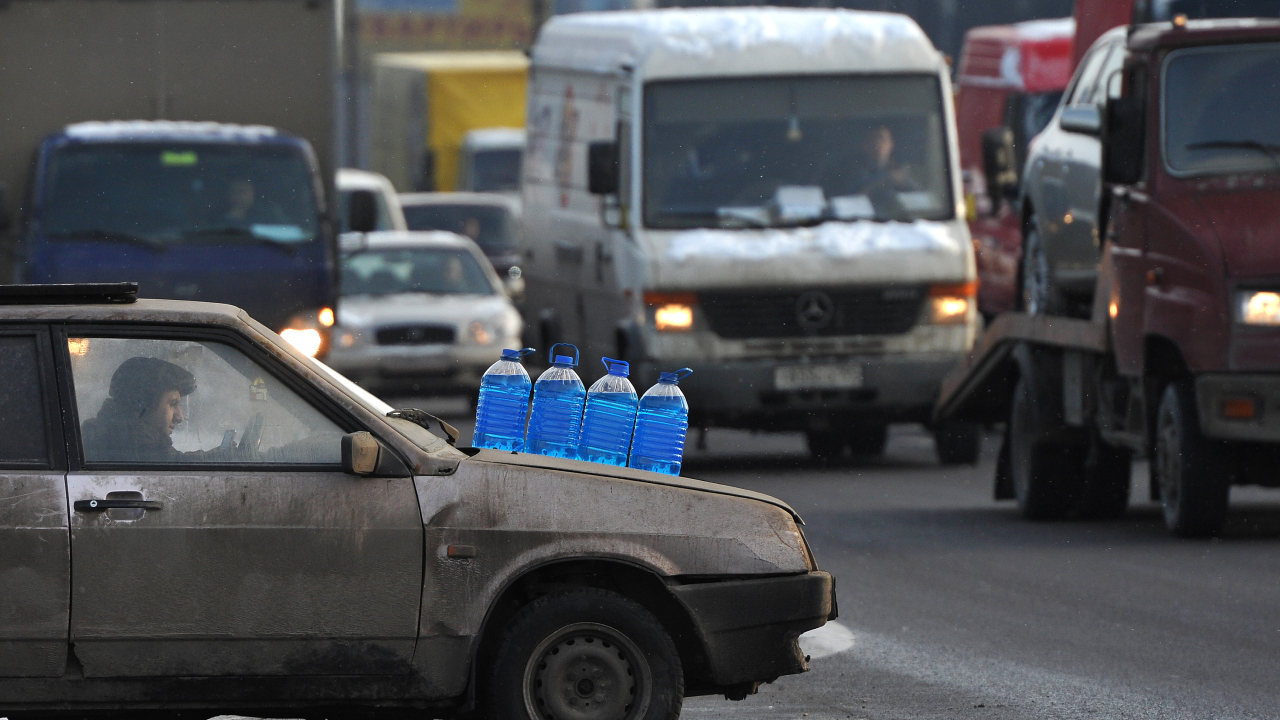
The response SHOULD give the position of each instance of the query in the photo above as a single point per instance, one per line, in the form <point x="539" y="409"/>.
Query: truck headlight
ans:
<point x="949" y="303"/>
<point x="1259" y="307"/>
<point x="306" y="340"/>
<point x="672" y="312"/>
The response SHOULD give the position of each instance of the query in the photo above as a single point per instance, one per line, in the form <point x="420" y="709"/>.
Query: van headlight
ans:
<point x="949" y="303"/>
<point x="1258" y="307"/>
<point x="309" y="331"/>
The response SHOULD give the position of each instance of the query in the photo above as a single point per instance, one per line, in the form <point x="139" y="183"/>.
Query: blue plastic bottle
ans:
<point x="557" y="408"/>
<point x="661" y="424"/>
<point x="609" y="417"/>
<point x="504" y="403"/>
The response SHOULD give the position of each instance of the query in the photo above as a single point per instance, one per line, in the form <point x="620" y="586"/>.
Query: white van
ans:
<point x="768" y="196"/>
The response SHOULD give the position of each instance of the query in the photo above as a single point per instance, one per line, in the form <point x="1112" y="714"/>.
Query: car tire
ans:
<point x="1194" y="486"/>
<point x="958" y="443"/>
<point x="1039" y="295"/>
<point x="1044" y="474"/>
<point x="1107" y="477"/>
<point x="825" y="445"/>
<point x="626" y="665"/>
<point x="867" y="441"/>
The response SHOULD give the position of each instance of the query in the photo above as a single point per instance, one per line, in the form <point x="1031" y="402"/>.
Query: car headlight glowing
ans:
<point x="480" y="333"/>
<point x="325" y="316"/>
<point x="306" y="340"/>
<point x="1259" y="307"/>
<point x="950" y="303"/>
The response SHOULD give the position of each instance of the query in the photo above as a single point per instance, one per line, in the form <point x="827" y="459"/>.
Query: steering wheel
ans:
<point x="251" y="437"/>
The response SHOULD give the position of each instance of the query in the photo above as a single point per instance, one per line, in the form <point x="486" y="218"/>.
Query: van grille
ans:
<point x="736" y="315"/>
<point x="415" y="335"/>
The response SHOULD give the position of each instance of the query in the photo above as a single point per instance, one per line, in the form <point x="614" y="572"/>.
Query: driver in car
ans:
<point x="880" y="169"/>
<point x="135" y="423"/>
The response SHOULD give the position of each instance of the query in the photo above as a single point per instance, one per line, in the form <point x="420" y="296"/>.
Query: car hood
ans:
<point x="1246" y="225"/>
<point x="368" y="311"/>
<point x="643" y="476"/>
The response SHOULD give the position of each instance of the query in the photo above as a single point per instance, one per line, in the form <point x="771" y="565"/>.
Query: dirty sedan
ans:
<point x="196" y="517"/>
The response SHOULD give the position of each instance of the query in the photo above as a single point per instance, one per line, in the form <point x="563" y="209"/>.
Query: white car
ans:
<point x="349" y="180"/>
<point x="421" y="313"/>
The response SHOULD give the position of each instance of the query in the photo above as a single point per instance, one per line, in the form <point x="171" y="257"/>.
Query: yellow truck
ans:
<point x="437" y="115"/>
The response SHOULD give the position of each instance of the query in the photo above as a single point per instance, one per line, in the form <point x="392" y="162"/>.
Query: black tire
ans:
<point x="1194" y="484"/>
<point x="624" y="664"/>
<point x="958" y="443"/>
<point x="1045" y="475"/>
<point x="825" y="445"/>
<point x="868" y="440"/>
<point x="1039" y="295"/>
<point x="1107" y="477"/>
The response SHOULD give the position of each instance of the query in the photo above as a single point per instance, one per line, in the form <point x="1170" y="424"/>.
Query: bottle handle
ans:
<point x="576" y="358"/>
<point x="683" y="373"/>
<point x="525" y="351"/>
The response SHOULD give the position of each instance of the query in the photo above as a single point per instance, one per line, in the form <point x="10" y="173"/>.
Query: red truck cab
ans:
<point x="1010" y="81"/>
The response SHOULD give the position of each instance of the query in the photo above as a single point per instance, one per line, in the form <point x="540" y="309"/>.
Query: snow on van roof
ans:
<point x="167" y="130"/>
<point x="760" y="40"/>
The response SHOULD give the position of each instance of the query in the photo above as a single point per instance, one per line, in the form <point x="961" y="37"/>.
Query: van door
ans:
<point x="213" y="531"/>
<point x="35" y="580"/>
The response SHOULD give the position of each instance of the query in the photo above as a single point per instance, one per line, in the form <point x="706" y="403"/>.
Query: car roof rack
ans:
<point x="69" y="294"/>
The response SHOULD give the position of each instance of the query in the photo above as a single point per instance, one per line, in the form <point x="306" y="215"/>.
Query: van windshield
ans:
<point x="771" y="152"/>
<point x="161" y="193"/>
<point x="1218" y="118"/>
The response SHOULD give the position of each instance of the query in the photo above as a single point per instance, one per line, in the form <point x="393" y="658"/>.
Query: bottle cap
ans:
<point x="508" y="354"/>
<point x="621" y="368"/>
<point x="563" y="360"/>
<point x="674" y="378"/>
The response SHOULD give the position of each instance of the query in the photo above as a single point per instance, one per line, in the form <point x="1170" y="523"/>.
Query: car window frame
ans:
<point x="189" y="333"/>
<point x="50" y="390"/>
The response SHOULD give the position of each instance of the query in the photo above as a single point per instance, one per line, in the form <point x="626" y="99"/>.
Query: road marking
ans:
<point x="829" y="639"/>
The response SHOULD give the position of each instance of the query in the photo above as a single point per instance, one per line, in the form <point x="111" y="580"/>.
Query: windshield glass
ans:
<point x="779" y="151"/>
<point x="414" y="270"/>
<point x="1218" y="115"/>
<point x="490" y="226"/>
<point x="159" y="193"/>
<point x="495" y="170"/>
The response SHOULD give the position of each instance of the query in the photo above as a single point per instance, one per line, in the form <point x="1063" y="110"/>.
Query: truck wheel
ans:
<point x="585" y="654"/>
<point x="825" y="445"/>
<point x="1039" y="296"/>
<point x="1107" y="475"/>
<point x="1044" y="475"/>
<point x="868" y="441"/>
<point x="1194" y="487"/>
<point x="958" y="443"/>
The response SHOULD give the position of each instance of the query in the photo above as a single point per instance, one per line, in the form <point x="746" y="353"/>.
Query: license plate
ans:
<point x="817" y="377"/>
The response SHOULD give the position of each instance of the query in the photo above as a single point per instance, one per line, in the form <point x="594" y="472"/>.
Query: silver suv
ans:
<point x="194" y="516"/>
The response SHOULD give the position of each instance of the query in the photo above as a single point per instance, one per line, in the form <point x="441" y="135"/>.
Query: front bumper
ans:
<point x="750" y="628"/>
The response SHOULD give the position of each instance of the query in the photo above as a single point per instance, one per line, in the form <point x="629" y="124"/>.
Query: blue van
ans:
<point x="190" y="210"/>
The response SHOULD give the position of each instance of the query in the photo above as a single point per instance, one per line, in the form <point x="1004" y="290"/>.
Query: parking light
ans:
<point x="1239" y="408"/>
<point x="950" y="302"/>
<point x="1259" y="307"/>
<point x="306" y="340"/>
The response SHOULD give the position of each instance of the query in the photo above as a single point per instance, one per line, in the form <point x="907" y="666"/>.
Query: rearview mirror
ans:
<point x="602" y="168"/>
<point x="998" y="165"/>
<point x="360" y="451"/>
<point x="1082" y="119"/>
<point x="362" y="211"/>
<point x="1122" y="141"/>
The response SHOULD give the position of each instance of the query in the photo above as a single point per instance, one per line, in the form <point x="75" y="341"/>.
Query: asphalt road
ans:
<point x="951" y="606"/>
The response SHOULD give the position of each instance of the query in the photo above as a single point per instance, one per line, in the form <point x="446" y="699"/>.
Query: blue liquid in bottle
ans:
<point x="556" y="416"/>
<point x="609" y="417"/>
<point x="504" y="404"/>
<point x="661" y="424"/>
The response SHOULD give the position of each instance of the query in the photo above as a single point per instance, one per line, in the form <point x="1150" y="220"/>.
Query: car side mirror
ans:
<point x="362" y="211"/>
<point x="363" y="455"/>
<point x="1123" y="140"/>
<point x="602" y="167"/>
<point x="1082" y="119"/>
<point x="998" y="165"/>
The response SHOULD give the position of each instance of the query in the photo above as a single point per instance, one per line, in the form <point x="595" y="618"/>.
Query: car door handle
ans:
<point x="100" y="505"/>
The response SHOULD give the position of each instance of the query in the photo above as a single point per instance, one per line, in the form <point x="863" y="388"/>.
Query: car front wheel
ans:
<point x="585" y="654"/>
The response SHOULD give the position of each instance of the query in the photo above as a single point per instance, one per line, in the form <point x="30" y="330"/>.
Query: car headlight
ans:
<point x="309" y="331"/>
<point x="949" y="303"/>
<point x="1258" y="307"/>
<point x="306" y="340"/>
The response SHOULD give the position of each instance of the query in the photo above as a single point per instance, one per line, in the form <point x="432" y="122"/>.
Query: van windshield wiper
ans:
<point x="108" y="236"/>
<point x="239" y="233"/>
<point x="1271" y="150"/>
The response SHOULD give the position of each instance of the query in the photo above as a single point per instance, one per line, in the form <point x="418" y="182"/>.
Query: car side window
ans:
<point x="165" y="401"/>
<point x="1082" y="91"/>
<point x="22" y="420"/>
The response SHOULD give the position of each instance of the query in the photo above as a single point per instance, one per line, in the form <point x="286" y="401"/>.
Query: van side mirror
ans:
<point x="363" y="455"/>
<point x="1082" y="119"/>
<point x="998" y="164"/>
<point x="1123" y="139"/>
<point x="362" y="211"/>
<point x="602" y="167"/>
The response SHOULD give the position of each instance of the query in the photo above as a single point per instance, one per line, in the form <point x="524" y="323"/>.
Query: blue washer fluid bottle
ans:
<point x="504" y="404"/>
<point x="609" y="417"/>
<point x="661" y="424"/>
<point x="556" y="416"/>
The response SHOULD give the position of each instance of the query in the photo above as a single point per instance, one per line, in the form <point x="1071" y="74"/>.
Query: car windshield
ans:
<point x="414" y="270"/>
<point x="495" y="170"/>
<point x="490" y="226"/>
<point x="785" y="151"/>
<point x="1217" y="118"/>
<point x="160" y="193"/>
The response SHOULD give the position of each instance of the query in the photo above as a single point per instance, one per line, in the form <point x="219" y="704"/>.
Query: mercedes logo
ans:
<point x="815" y="310"/>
